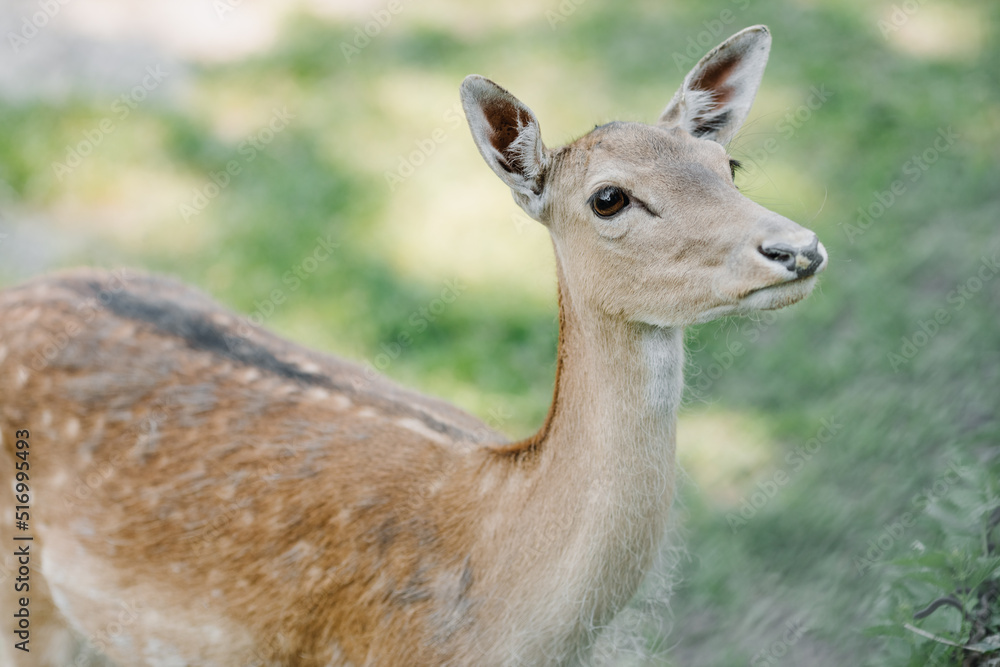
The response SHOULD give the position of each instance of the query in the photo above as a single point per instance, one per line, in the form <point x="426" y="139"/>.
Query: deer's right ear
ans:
<point x="507" y="135"/>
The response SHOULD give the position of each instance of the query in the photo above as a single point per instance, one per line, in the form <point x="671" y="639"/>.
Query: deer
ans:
<point x="204" y="494"/>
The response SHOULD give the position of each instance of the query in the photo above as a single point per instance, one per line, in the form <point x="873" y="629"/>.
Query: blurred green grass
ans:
<point x="492" y="349"/>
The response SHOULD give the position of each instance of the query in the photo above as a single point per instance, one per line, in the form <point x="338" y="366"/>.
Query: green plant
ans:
<point x="941" y="606"/>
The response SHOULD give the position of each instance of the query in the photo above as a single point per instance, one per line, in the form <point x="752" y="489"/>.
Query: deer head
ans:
<point x="647" y="222"/>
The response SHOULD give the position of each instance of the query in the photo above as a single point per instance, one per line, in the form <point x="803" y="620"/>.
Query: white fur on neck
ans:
<point x="664" y="351"/>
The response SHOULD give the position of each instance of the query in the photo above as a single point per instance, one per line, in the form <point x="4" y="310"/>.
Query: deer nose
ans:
<point x="801" y="260"/>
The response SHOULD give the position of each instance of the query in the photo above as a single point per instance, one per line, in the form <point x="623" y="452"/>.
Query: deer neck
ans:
<point x="604" y="459"/>
<point x="600" y="470"/>
<point x="618" y="388"/>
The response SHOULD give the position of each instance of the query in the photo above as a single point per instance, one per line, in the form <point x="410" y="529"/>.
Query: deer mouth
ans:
<point x="778" y="295"/>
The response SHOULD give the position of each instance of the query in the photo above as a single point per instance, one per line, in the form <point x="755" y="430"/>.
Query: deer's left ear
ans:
<point x="717" y="94"/>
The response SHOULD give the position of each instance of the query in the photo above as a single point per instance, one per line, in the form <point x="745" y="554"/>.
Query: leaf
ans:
<point x="933" y="560"/>
<point x="989" y="645"/>
<point x="936" y="579"/>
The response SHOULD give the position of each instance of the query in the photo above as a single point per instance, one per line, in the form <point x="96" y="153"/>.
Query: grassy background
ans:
<point x="854" y="91"/>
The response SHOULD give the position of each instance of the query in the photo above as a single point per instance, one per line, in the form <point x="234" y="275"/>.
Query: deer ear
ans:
<point x="507" y="135"/>
<point x="717" y="94"/>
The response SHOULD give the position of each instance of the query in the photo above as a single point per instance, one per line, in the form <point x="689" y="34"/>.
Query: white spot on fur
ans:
<point x="249" y="375"/>
<point x="22" y="377"/>
<point x="123" y="331"/>
<point x="3" y="353"/>
<point x="58" y="479"/>
<point x="317" y="394"/>
<point x="31" y="316"/>
<point x="72" y="429"/>
<point x="341" y="402"/>
<point x="159" y="654"/>
<point x="418" y="427"/>
<point x="308" y="367"/>
<point x="83" y="527"/>
<point x="367" y="412"/>
<point x="435" y="486"/>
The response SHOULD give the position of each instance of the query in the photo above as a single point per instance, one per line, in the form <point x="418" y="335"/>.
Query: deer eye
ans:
<point x="608" y="201"/>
